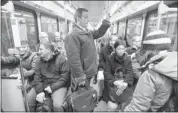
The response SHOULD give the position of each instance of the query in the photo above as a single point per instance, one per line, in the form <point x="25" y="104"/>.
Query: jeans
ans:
<point x="31" y="96"/>
<point x="57" y="97"/>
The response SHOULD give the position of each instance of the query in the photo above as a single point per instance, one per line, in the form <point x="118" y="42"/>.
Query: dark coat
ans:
<point x="103" y="56"/>
<point x="29" y="60"/>
<point x="112" y="65"/>
<point x="54" y="73"/>
<point x="81" y="50"/>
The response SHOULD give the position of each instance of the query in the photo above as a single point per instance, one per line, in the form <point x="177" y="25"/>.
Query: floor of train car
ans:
<point x="102" y="106"/>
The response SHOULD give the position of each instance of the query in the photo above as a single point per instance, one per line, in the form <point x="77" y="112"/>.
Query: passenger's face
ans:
<point x="44" y="53"/>
<point x="23" y="49"/>
<point x="120" y="50"/>
<point x="44" y="39"/>
<point x="113" y="40"/>
<point x="137" y="42"/>
<point x="83" y="21"/>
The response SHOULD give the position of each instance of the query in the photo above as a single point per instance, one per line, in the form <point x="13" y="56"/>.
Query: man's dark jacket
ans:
<point x="81" y="51"/>
<point x="53" y="73"/>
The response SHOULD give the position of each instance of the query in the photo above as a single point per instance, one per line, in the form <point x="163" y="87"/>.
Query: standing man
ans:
<point x="80" y="48"/>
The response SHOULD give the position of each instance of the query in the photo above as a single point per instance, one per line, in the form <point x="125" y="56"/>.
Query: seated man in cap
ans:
<point x="159" y="68"/>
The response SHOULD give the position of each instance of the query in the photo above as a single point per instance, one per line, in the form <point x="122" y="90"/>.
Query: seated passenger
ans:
<point x="154" y="86"/>
<point x="28" y="61"/>
<point x="133" y="51"/>
<point x="119" y="77"/>
<point x="136" y="45"/>
<point x="43" y="37"/>
<point x="59" y="44"/>
<point x="51" y="76"/>
<point x="103" y="58"/>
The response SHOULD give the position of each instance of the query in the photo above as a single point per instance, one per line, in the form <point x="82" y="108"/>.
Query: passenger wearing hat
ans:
<point x="119" y="76"/>
<point x="159" y="76"/>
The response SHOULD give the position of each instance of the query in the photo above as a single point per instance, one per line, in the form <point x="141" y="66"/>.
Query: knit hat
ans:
<point x="157" y="40"/>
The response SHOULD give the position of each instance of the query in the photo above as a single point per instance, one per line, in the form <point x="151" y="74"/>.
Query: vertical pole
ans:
<point x="38" y="21"/>
<point x="159" y="17"/>
<point x="65" y="12"/>
<point x="143" y="25"/>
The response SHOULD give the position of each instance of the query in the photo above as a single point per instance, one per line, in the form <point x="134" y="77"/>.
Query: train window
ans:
<point x="27" y="26"/>
<point x="62" y="28"/>
<point x="6" y="33"/>
<point x="49" y="25"/>
<point x="151" y="23"/>
<point x="114" y="29"/>
<point x="133" y="29"/>
<point x="169" y="25"/>
<point x="121" y="30"/>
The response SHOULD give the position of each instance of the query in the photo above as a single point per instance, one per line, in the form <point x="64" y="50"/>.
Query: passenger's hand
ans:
<point x="80" y="81"/>
<point x="48" y="89"/>
<point x="150" y="65"/>
<point x="108" y="16"/>
<point x="132" y="55"/>
<point x="15" y="75"/>
<point x="100" y="75"/>
<point x="40" y="97"/>
<point x="118" y="83"/>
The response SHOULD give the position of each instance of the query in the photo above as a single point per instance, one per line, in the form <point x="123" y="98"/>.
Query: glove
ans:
<point x="48" y="89"/>
<point x="40" y="97"/>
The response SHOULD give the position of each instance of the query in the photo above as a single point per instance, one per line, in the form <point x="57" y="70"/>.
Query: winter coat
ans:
<point x="29" y="60"/>
<point x="154" y="86"/>
<point x="81" y="51"/>
<point x="53" y="73"/>
<point x="127" y="70"/>
<point x="103" y="56"/>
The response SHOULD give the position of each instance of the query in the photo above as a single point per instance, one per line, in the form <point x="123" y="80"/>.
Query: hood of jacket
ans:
<point x="167" y="66"/>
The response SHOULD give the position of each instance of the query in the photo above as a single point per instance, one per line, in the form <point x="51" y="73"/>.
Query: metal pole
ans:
<point x="23" y="85"/>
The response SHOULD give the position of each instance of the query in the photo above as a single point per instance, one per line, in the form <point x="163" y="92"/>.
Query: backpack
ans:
<point x="82" y="100"/>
